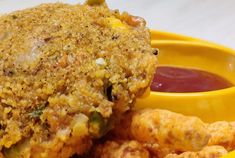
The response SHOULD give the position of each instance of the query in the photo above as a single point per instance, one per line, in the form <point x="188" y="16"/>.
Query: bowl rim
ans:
<point x="195" y="44"/>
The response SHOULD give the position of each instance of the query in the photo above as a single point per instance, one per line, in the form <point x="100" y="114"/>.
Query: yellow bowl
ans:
<point x="192" y="53"/>
<point x="230" y="155"/>
<point x="183" y="51"/>
<point x="162" y="36"/>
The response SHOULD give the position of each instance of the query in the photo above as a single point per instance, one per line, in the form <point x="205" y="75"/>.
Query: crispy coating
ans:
<point x="122" y="131"/>
<point x="126" y="149"/>
<point x="61" y="64"/>
<point x="138" y="125"/>
<point x="207" y="152"/>
<point x="223" y="134"/>
<point x="122" y="128"/>
<point x="158" y="151"/>
<point x="220" y="142"/>
<point x="168" y="129"/>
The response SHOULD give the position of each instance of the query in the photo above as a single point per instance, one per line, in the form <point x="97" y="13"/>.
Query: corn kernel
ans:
<point x="117" y="24"/>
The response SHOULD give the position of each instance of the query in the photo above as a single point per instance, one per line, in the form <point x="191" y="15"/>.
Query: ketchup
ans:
<point x="181" y="80"/>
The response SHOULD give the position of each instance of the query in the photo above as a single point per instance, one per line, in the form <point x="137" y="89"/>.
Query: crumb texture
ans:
<point x="60" y="64"/>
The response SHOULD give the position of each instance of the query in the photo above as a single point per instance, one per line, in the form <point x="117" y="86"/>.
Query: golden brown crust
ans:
<point x="1" y="155"/>
<point x="59" y="63"/>
<point x="223" y="134"/>
<point x="170" y="130"/>
<point x="158" y="151"/>
<point x="148" y="128"/>
<point x="126" y="149"/>
<point x="207" y="152"/>
<point x="165" y="128"/>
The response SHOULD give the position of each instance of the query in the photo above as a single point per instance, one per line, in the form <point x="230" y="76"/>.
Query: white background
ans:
<point x="212" y="20"/>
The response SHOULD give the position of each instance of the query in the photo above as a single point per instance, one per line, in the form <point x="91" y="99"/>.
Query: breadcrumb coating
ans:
<point x="164" y="128"/>
<point x="207" y="152"/>
<point x="222" y="133"/>
<point x="61" y="65"/>
<point x="126" y="149"/>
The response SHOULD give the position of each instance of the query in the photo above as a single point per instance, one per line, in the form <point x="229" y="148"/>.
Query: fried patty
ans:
<point x="66" y="73"/>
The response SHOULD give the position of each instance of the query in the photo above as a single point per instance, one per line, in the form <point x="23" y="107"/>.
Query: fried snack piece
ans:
<point x="1" y="155"/>
<point x="207" y="152"/>
<point x="157" y="150"/>
<point x="168" y="129"/>
<point x="223" y="134"/>
<point x="66" y="71"/>
<point x="126" y="149"/>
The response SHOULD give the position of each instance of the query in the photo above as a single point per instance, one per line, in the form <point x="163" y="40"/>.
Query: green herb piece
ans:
<point x="36" y="113"/>
<point x="98" y="126"/>
<point x="17" y="150"/>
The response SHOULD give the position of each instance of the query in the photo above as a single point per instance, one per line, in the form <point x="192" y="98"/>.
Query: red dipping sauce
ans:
<point x="181" y="80"/>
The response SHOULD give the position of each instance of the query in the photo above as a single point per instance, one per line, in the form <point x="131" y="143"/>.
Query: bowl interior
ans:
<point x="194" y="55"/>
<point x="209" y="106"/>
